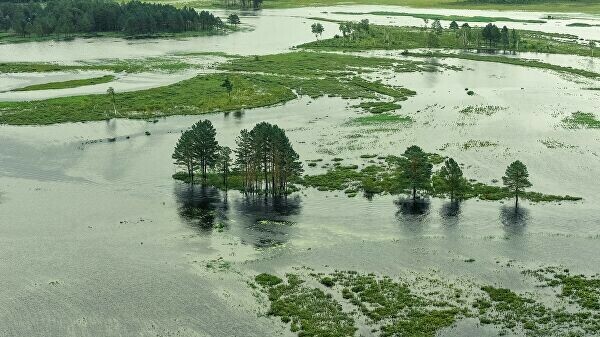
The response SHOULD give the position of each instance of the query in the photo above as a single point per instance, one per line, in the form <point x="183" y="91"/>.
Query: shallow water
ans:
<point x="98" y="240"/>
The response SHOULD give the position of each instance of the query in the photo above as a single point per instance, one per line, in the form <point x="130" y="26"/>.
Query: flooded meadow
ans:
<point x="98" y="239"/>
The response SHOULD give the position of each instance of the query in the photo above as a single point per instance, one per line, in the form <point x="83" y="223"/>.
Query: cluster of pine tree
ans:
<point x="416" y="169"/>
<point x="64" y="17"/>
<point x="264" y="160"/>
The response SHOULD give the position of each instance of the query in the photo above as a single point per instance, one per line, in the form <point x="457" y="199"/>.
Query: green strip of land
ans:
<point x="69" y="84"/>
<point x="399" y="38"/>
<point x="257" y="81"/>
<point x="444" y="17"/>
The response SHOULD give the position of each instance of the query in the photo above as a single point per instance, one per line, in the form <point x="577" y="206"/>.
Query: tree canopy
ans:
<point x="516" y="179"/>
<point x="85" y="16"/>
<point x="416" y="169"/>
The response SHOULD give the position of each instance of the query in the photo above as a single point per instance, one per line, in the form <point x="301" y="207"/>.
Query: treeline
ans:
<point x="244" y="4"/>
<point x="265" y="160"/>
<point x="65" y="17"/>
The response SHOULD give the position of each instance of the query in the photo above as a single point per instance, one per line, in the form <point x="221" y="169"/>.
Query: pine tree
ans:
<point x="516" y="179"/>
<point x="415" y="169"/>
<point x="184" y="154"/>
<point x="451" y="179"/>
<point x="205" y="146"/>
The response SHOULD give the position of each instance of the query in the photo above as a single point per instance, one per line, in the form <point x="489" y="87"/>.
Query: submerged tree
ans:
<point x="505" y="37"/>
<point x="266" y="159"/>
<point x="184" y="154"/>
<point x="464" y="35"/>
<point x="317" y="29"/>
<point x="205" y="146"/>
<point x="516" y="179"/>
<point x="514" y="40"/>
<point x="451" y="180"/>
<point x="415" y="169"/>
<point x="223" y="164"/>
<point x="233" y="19"/>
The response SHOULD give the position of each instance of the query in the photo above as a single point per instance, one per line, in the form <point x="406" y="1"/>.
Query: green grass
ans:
<point x="182" y="98"/>
<point x="69" y="84"/>
<point x="582" y="120"/>
<point x="460" y="18"/>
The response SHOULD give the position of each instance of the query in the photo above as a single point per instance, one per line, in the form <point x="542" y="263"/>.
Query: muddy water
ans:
<point x="97" y="239"/>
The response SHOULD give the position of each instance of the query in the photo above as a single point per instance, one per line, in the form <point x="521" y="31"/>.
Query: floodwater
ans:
<point x="98" y="240"/>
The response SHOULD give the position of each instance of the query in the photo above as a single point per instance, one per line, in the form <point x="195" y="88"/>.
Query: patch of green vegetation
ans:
<point x="555" y="144"/>
<point x="378" y="107"/>
<point x="444" y="17"/>
<point x="472" y="143"/>
<point x="581" y="24"/>
<point x="311" y="64"/>
<point x="520" y="313"/>
<point x="583" y="290"/>
<point x="394" y="307"/>
<point x="386" y="178"/>
<point x="486" y="110"/>
<point x="69" y="84"/>
<point x="182" y="98"/>
<point x="405" y="38"/>
<point x="581" y="120"/>
<point x="383" y="118"/>
<point x="267" y="280"/>
<point x="310" y="311"/>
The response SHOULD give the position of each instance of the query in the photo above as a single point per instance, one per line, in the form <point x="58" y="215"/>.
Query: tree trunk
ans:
<point x="516" y="200"/>
<point x="414" y="193"/>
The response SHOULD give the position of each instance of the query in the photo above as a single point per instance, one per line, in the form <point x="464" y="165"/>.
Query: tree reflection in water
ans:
<point x="258" y="221"/>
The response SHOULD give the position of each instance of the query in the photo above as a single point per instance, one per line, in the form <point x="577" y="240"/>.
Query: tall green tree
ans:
<point x="228" y="86"/>
<point x="205" y="146"/>
<point x="516" y="179"/>
<point x="592" y="46"/>
<point x="505" y="37"/>
<point x="345" y="28"/>
<point x="450" y="180"/>
<point x="437" y="27"/>
<point x="317" y="29"/>
<point x="415" y="169"/>
<point x="184" y="154"/>
<point x="514" y="40"/>
<point x="453" y="25"/>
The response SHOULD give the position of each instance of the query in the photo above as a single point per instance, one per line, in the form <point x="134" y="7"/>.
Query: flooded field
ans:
<point x="98" y="239"/>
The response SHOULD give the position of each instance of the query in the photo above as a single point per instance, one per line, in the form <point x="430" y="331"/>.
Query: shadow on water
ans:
<point x="201" y="207"/>
<point x="450" y="213"/>
<point x="257" y="221"/>
<point x="267" y="223"/>
<point x="412" y="212"/>
<point x="514" y="219"/>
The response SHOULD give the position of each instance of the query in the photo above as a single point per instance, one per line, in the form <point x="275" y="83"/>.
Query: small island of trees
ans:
<point x="265" y="161"/>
